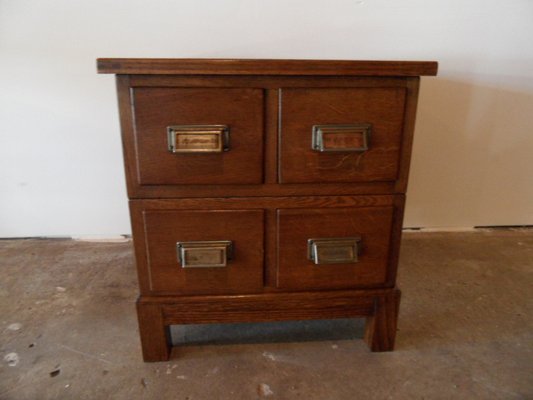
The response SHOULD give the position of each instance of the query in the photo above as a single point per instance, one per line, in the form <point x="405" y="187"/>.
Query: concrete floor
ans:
<point x="68" y="330"/>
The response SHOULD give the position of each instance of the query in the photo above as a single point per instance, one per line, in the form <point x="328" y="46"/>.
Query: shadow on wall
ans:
<point x="472" y="159"/>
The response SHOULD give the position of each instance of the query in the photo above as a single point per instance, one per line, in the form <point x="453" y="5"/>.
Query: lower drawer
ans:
<point x="331" y="248"/>
<point x="258" y="244"/>
<point x="200" y="251"/>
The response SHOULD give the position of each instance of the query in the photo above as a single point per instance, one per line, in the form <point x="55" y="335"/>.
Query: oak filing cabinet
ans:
<point x="266" y="190"/>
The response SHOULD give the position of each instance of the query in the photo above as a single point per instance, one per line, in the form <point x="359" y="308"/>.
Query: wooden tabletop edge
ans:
<point x="190" y="66"/>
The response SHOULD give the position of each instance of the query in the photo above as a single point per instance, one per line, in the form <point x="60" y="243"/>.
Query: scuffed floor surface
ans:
<point x="69" y="331"/>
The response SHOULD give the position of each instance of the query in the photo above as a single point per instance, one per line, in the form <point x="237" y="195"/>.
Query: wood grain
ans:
<point x="156" y="314"/>
<point x="267" y="306"/>
<point x="271" y="136"/>
<point x="395" y="240"/>
<point x="154" y="332"/>
<point x="239" y="203"/>
<point x="383" y="108"/>
<point x="270" y="192"/>
<point x="279" y="307"/>
<point x="270" y="273"/>
<point x="127" y="132"/>
<point x="165" y="66"/>
<point x="408" y="134"/>
<point x="265" y="81"/>
<point x="296" y="226"/>
<point x="137" y="191"/>
<point x="156" y="184"/>
<point x="381" y="325"/>
<point x="168" y="224"/>
<point x="240" y="109"/>
<point x="163" y="228"/>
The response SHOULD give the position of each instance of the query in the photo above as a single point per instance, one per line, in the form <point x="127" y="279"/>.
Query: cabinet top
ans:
<point x="198" y="66"/>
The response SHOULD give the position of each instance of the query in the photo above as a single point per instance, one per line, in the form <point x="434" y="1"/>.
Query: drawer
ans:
<point x="341" y="134"/>
<point x="217" y="136"/>
<point x="333" y="247"/>
<point x="234" y="238"/>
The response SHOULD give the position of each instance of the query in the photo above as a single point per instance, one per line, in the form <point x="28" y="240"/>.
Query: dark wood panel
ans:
<point x="155" y="334"/>
<point x="267" y="307"/>
<point x="296" y="226"/>
<point x="264" y="67"/>
<point x="301" y="109"/>
<point x="137" y="191"/>
<point x="270" y="270"/>
<point x="270" y="205"/>
<point x="271" y="136"/>
<point x="380" y="328"/>
<point x="157" y="108"/>
<point x="395" y="240"/>
<point x="239" y="203"/>
<point x="163" y="228"/>
<point x="380" y="306"/>
<point x="127" y="133"/>
<point x="408" y="133"/>
<point x="139" y="246"/>
<point x="270" y="192"/>
<point x="263" y="81"/>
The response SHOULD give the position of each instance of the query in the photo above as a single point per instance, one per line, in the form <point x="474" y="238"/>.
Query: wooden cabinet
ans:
<point x="266" y="190"/>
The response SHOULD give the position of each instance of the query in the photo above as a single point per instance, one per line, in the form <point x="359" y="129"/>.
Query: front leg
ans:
<point x="380" y="328"/>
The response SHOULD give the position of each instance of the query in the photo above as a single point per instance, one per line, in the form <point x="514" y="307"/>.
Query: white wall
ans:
<point x="60" y="155"/>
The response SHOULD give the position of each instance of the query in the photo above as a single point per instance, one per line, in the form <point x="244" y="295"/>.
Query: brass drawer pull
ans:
<point x="338" y="138"/>
<point x="198" y="138"/>
<point x="333" y="250"/>
<point x="204" y="254"/>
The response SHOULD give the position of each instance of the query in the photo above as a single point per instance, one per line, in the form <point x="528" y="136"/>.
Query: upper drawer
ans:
<point x="234" y="156"/>
<point x="341" y="134"/>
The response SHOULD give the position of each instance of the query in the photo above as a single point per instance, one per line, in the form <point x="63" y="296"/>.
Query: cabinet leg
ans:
<point x="155" y="336"/>
<point x="380" y="329"/>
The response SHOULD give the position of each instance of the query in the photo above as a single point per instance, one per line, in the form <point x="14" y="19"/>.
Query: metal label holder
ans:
<point x="334" y="250"/>
<point x="341" y="138"/>
<point x="198" y="138"/>
<point x="204" y="254"/>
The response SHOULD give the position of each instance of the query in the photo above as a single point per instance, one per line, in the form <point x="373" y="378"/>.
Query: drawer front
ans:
<point x="341" y="134"/>
<point x="216" y="135"/>
<point x="204" y="252"/>
<point x="333" y="248"/>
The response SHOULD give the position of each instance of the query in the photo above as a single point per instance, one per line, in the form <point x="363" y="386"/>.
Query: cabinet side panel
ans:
<point x="139" y="246"/>
<point x="408" y="131"/>
<point x="127" y="133"/>
<point x="395" y="240"/>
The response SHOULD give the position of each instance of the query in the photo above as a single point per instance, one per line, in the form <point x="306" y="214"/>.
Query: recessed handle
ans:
<point x="341" y="138"/>
<point x="198" y="138"/>
<point x="334" y="250"/>
<point x="204" y="254"/>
